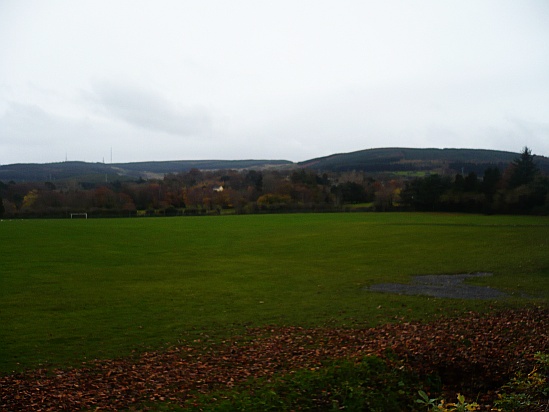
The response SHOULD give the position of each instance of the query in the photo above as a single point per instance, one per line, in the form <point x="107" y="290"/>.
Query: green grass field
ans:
<point x="72" y="290"/>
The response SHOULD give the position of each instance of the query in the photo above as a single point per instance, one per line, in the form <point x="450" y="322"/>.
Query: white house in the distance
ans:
<point x="218" y="188"/>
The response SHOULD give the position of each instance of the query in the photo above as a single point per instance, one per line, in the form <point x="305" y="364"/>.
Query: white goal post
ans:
<point x="84" y="215"/>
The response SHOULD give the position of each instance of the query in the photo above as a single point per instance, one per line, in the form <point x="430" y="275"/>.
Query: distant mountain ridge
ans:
<point x="84" y="171"/>
<point x="383" y="160"/>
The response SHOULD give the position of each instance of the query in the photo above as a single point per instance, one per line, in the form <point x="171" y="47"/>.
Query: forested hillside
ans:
<point x="95" y="172"/>
<point x="397" y="161"/>
<point x="418" y="160"/>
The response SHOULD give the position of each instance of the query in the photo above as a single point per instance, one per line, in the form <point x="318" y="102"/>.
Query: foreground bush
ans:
<point x="527" y="392"/>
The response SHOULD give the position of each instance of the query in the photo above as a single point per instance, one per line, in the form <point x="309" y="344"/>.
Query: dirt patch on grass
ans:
<point x="442" y="286"/>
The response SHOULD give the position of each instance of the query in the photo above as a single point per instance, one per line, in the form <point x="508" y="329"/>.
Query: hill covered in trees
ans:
<point x="457" y="180"/>
<point x="418" y="160"/>
<point x="398" y="161"/>
<point x="97" y="172"/>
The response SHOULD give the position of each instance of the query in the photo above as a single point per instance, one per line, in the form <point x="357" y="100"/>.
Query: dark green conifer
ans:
<point x="524" y="169"/>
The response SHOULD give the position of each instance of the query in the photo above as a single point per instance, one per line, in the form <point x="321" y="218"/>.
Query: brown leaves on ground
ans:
<point x="477" y="352"/>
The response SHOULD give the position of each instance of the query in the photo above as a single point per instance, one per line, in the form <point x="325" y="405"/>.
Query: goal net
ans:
<point x="79" y="215"/>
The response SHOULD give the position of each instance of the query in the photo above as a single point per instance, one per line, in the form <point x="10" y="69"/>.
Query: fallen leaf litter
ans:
<point x="488" y="348"/>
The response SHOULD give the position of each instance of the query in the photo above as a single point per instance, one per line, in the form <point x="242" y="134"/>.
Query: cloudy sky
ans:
<point x="181" y="79"/>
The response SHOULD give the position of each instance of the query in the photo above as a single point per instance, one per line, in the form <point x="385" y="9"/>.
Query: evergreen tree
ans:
<point x="524" y="169"/>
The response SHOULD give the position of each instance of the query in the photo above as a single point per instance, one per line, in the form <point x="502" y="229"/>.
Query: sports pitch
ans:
<point x="77" y="290"/>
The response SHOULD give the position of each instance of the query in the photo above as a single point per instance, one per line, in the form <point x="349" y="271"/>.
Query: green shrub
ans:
<point x="440" y="405"/>
<point x="527" y="392"/>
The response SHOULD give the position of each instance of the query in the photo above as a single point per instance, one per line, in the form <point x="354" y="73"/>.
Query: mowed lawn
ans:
<point x="76" y="290"/>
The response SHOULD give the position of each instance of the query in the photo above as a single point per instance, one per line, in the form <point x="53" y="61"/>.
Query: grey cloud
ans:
<point x="29" y="131"/>
<point x="26" y="124"/>
<point x="149" y="110"/>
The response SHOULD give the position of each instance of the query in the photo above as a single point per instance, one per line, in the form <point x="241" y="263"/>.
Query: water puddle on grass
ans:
<point x="442" y="286"/>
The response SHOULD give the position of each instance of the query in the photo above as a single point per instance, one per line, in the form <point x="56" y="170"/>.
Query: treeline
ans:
<point x="518" y="188"/>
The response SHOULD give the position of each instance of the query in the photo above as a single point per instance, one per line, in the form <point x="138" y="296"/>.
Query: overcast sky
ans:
<point x="294" y="80"/>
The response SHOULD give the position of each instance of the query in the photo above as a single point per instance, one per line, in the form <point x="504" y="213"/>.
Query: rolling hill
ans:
<point x="415" y="160"/>
<point x="83" y="171"/>
<point x="384" y="160"/>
